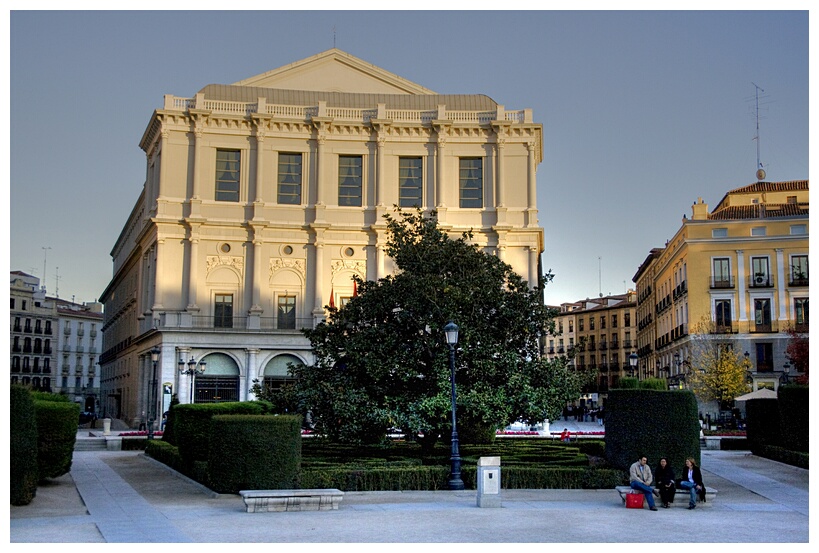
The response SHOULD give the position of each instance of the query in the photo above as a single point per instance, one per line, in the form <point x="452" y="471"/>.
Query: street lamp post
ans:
<point x="152" y="394"/>
<point x="455" y="482"/>
<point x="786" y="374"/>
<point x="632" y="363"/>
<point x="191" y="371"/>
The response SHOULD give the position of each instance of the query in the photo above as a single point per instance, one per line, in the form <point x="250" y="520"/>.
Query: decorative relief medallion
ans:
<point x="215" y="261"/>
<point x="279" y="263"/>
<point x="358" y="266"/>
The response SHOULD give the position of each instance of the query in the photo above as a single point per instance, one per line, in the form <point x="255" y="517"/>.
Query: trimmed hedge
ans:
<point x="56" y="435"/>
<point x="762" y="420"/>
<point x="437" y="478"/>
<point x="22" y="447"/>
<point x="192" y="426"/>
<point x="794" y="416"/>
<point x="165" y="453"/>
<point x="254" y="452"/>
<point x="790" y="457"/>
<point x="653" y="423"/>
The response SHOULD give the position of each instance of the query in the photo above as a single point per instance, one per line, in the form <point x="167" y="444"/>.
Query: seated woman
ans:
<point x="664" y="480"/>
<point x="692" y="481"/>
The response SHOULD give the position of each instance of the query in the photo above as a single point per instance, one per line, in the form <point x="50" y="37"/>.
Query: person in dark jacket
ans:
<point x="692" y="481"/>
<point x="664" y="480"/>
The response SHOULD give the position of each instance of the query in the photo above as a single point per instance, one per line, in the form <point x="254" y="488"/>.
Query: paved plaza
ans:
<point x="127" y="497"/>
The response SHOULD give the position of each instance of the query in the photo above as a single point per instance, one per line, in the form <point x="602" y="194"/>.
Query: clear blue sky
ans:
<point x="642" y="113"/>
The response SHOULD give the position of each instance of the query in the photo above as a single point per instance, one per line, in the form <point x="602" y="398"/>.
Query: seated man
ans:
<point x="640" y="479"/>
<point x="565" y="436"/>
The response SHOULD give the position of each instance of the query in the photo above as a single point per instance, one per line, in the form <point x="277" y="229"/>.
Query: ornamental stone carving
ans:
<point x="216" y="261"/>
<point x="358" y="266"/>
<point x="279" y="263"/>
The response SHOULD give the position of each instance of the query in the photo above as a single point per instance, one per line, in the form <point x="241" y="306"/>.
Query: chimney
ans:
<point x="699" y="210"/>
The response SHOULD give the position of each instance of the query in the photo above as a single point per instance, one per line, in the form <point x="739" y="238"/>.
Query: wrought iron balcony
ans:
<point x="722" y="283"/>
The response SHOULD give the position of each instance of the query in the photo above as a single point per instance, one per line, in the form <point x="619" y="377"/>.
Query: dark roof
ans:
<point x="758" y="211"/>
<point x="758" y="187"/>
<point x="234" y="93"/>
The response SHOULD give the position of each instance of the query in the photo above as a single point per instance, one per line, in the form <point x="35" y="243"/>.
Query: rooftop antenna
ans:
<point x="45" y="257"/>
<point x="599" y="277"/>
<point x="760" y="172"/>
<point x="334" y="36"/>
<point x="57" y="281"/>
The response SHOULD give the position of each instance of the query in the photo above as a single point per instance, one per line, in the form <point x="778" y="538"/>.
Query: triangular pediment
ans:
<point x="335" y="71"/>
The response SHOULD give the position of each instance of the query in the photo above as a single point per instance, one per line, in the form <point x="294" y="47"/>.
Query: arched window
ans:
<point x="276" y="371"/>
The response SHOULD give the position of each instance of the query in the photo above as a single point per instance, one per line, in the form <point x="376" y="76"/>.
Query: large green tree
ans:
<point x="382" y="360"/>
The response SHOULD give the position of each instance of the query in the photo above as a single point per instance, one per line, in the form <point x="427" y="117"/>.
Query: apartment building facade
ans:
<point x="737" y="275"/>
<point x="265" y="197"/>
<point x="601" y="332"/>
<point x="55" y="343"/>
<point x="33" y="337"/>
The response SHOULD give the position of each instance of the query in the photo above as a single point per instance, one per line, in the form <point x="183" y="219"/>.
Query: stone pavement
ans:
<point x="127" y="497"/>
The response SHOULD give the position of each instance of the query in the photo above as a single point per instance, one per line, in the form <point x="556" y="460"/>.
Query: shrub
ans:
<point x="135" y="443"/>
<point x="628" y="383"/>
<point x="22" y="447"/>
<point x="794" y="416"/>
<point x="56" y="435"/>
<point x="787" y="456"/>
<point x="653" y="423"/>
<point x="164" y="453"/>
<point x="654" y="384"/>
<point x="192" y="426"/>
<point x="762" y="420"/>
<point x="254" y="452"/>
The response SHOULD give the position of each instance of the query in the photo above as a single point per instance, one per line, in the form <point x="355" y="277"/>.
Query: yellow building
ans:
<point x="738" y="274"/>
<point x="601" y="332"/>
<point x="263" y="198"/>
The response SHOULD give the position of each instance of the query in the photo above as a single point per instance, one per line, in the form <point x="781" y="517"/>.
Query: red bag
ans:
<point x="634" y="500"/>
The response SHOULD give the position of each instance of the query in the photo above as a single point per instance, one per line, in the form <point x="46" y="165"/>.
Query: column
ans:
<point x="159" y="180"/>
<point x="251" y="373"/>
<point x="193" y="265"/>
<point x="533" y="268"/>
<point x="318" y="308"/>
<point x="154" y="278"/>
<point x="781" y="270"/>
<point x="260" y="135"/>
<point x="198" y="131"/>
<point x="183" y="387"/>
<point x="532" y="184"/>
<point x="500" y="200"/>
<point x="743" y="315"/>
<point x="379" y="185"/>
<point x="258" y="271"/>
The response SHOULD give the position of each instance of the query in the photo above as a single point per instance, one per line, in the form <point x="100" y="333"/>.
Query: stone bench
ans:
<point x="680" y="497"/>
<point x="265" y="501"/>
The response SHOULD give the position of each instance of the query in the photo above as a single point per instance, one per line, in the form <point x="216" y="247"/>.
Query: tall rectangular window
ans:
<point x="580" y="325"/>
<point x="350" y="180"/>
<point x="799" y="270"/>
<point x="722" y="272"/>
<point x="760" y="275"/>
<point x="289" y="179"/>
<point x="722" y="312"/>
<point x="800" y="308"/>
<point x="471" y="182"/>
<point x="227" y="175"/>
<point x="223" y="311"/>
<point x="286" y="313"/>
<point x="409" y="182"/>
<point x="762" y="314"/>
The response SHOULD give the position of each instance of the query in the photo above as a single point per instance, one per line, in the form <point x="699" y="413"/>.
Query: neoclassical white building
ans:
<point x="263" y="198"/>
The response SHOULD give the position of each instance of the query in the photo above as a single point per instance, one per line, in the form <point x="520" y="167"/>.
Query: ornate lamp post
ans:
<point x="191" y="371"/>
<point x="632" y="363"/>
<point x="455" y="482"/>
<point x="152" y="395"/>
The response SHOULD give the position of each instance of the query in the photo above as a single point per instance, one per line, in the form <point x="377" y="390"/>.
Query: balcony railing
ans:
<point x="730" y="328"/>
<point x="722" y="283"/>
<point x="760" y="281"/>
<point x="798" y="281"/>
<point x="241" y="323"/>
<point x="765" y="328"/>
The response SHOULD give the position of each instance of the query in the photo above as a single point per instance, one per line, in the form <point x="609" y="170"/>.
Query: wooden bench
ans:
<point x="265" y="501"/>
<point x="681" y="497"/>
